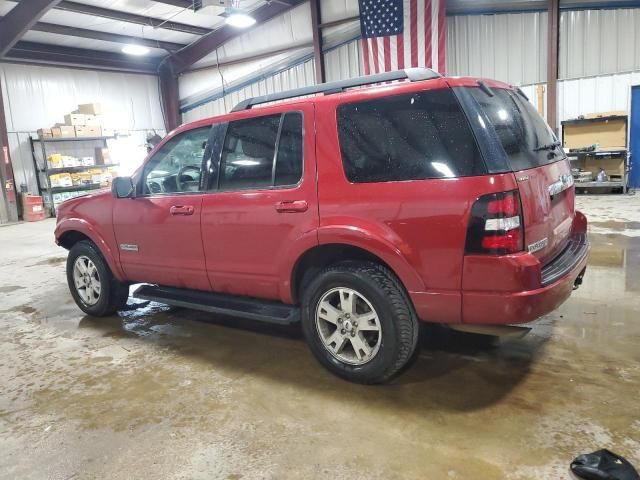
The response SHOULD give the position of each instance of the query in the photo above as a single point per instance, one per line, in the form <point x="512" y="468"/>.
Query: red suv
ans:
<point x="357" y="211"/>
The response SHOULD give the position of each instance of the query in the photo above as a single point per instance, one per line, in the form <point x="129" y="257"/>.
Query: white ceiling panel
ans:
<point x="66" y="41"/>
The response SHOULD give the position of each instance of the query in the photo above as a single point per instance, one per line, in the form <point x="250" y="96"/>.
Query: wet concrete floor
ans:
<point x="164" y="393"/>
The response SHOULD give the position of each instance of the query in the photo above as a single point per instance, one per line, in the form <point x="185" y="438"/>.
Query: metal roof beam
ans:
<point x="207" y="44"/>
<point x="20" y="19"/>
<point x="43" y="54"/>
<point x="105" y="36"/>
<point x="129" y="17"/>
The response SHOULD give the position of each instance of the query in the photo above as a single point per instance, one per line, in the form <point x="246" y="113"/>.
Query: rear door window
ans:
<point x="525" y="137"/>
<point x="251" y="147"/>
<point x="407" y="137"/>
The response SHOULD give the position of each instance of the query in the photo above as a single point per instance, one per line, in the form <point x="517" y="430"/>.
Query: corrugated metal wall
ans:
<point x="298" y="76"/>
<point x="343" y="62"/>
<point x="595" y="42"/>
<point x="508" y="47"/>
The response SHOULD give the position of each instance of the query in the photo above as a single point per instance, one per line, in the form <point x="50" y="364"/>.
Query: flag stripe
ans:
<point x="400" y="51"/>
<point x="365" y="56"/>
<point x="374" y="54"/>
<point x="386" y="48"/>
<point x="442" y="36"/>
<point x="413" y="31"/>
<point x="428" y="13"/>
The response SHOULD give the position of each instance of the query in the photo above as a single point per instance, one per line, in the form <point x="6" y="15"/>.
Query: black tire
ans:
<point x="113" y="294"/>
<point x="395" y="312"/>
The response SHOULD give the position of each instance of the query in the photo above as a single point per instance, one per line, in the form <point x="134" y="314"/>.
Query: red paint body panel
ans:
<point x="244" y="243"/>
<point x="169" y="246"/>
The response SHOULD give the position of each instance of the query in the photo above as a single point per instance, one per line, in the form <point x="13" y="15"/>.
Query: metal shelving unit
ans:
<point x="580" y="157"/>
<point x="74" y="144"/>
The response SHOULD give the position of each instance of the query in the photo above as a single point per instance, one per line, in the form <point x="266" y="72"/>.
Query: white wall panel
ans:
<point x="596" y="42"/>
<point x="298" y="76"/>
<point x="343" y="62"/>
<point x="39" y="97"/>
<point x="507" y="47"/>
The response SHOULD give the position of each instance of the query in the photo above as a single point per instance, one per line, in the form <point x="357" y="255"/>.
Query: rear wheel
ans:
<point x="93" y="287"/>
<point x="359" y="322"/>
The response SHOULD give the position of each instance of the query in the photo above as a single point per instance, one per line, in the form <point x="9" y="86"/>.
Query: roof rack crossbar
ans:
<point x="411" y="74"/>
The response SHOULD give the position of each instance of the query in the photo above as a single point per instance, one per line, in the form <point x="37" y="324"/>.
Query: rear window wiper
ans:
<point x="548" y="146"/>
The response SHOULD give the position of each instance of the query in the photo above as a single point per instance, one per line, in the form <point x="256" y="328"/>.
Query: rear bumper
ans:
<point x="557" y="280"/>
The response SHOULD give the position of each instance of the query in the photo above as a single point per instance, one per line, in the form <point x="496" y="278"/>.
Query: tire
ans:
<point x="378" y="294"/>
<point x="112" y="295"/>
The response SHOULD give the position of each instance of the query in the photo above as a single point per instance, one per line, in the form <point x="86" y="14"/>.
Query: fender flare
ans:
<point x="82" y="226"/>
<point x="372" y="238"/>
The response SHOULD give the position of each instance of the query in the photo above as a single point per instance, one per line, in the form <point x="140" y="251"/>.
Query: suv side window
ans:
<point x="407" y="137"/>
<point x="252" y="146"/>
<point x="177" y="166"/>
<point x="288" y="169"/>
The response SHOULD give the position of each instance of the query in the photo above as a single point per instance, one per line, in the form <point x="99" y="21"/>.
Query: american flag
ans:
<point x="399" y="34"/>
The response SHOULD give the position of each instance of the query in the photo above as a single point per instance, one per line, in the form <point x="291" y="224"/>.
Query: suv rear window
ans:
<point x="407" y="137"/>
<point x="521" y="130"/>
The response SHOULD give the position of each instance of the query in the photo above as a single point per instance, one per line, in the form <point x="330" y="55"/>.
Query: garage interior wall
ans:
<point x="599" y="58"/>
<point x="38" y="97"/>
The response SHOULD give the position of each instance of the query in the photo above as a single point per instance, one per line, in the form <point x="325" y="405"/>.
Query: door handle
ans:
<point x="181" y="210"/>
<point x="292" y="206"/>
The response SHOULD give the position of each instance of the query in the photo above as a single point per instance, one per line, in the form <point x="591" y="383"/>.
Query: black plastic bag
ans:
<point x="603" y="465"/>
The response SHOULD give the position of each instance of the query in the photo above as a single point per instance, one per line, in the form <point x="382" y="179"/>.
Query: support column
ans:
<point x="169" y="95"/>
<point x="553" y="7"/>
<point x="318" y="56"/>
<point x="8" y="196"/>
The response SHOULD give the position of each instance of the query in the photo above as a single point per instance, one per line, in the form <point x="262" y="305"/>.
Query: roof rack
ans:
<point x="411" y="74"/>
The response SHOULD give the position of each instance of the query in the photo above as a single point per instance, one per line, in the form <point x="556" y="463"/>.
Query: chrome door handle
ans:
<point x="181" y="210"/>
<point x="292" y="206"/>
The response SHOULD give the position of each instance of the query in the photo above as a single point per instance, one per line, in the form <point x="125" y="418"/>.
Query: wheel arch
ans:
<point x="319" y="257"/>
<point x="69" y="232"/>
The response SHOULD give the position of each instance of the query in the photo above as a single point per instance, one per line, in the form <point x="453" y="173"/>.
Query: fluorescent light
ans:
<point x="135" y="50"/>
<point x="240" y="20"/>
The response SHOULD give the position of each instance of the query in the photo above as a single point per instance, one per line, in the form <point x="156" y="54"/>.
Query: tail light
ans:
<point x="495" y="226"/>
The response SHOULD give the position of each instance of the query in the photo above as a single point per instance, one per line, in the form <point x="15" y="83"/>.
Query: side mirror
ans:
<point x="123" y="187"/>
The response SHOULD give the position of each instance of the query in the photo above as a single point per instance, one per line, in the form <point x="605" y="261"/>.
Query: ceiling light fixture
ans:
<point x="239" y="19"/>
<point x="138" y="50"/>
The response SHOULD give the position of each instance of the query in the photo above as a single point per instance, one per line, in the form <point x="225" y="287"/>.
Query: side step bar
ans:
<point x="235" y="306"/>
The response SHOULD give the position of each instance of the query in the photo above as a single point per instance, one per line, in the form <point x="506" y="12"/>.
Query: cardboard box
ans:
<point x="88" y="131"/>
<point x="90" y="108"/>
<point x="87" y="161"/>
<point x="63" y="131"/>
<point x="70" y="161"/>
<point x="103" y="157"/>
<point x="93" y="120"/>
<point x="61" y="180"/>
<point x="74" y="119"/>
<point x="55" y="160"/>
<point x="45" y="133"/>
<point x="609" y="134"/>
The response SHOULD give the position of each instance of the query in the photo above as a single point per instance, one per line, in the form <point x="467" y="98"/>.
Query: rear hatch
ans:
<point x="541" y="168"/>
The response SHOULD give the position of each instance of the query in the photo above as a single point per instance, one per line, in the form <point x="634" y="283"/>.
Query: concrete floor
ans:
<point x="160" y="393"/>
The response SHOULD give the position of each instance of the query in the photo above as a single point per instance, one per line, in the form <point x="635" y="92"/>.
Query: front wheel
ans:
<point x="93" y="287"/>
<point x="359" y="322"/>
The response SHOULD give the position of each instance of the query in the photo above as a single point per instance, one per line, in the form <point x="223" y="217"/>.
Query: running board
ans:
<point x="235" y="306"/>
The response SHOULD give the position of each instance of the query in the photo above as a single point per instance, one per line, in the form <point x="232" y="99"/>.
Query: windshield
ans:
<point x="526" y="138"/>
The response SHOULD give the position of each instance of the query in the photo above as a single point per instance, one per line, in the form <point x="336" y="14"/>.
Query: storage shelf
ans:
<point x="52" y="171"/>
<point x="598" y="153"/>
<point x="76" y="188"/>
<point x="578" y="121"/>
<point x="70" y="139"/>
